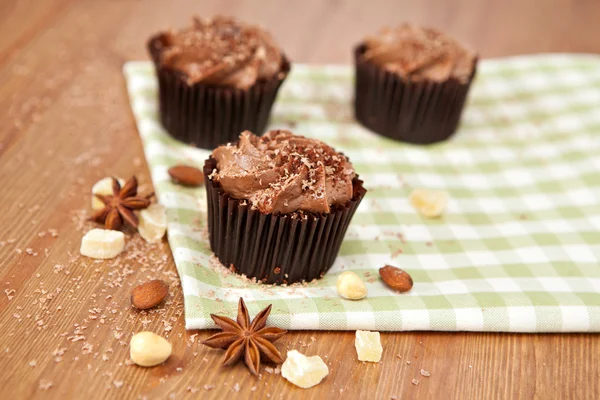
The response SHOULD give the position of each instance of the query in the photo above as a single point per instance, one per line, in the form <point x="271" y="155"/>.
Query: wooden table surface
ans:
<point x="65" y="321"/>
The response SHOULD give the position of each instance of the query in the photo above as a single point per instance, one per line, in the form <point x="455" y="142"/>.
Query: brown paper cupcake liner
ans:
<point x="275" y="248"/>
<point x="420" y="112"/>
<point x="208" y="115"/>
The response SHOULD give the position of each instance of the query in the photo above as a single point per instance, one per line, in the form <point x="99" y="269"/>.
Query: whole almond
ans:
<point x="186" y="175"/>
<point x="396" y="278"/>
<point x="149" y="294"/>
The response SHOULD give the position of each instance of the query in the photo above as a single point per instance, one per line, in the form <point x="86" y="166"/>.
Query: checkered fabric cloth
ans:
<point x="517" y="250"/>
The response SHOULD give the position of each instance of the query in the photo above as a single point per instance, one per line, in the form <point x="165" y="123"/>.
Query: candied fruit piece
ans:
<point x="102" y="243"/>
<point x="303" y="371"/>
<point x="368" y="346"/>
<point x="429" y="203"/>
<point x="103" y="187"/>
<point x="153" y="223"/>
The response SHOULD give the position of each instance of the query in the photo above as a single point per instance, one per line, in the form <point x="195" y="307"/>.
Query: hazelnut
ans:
<point x="147" y="349"/>
<point x="350" y="286"/>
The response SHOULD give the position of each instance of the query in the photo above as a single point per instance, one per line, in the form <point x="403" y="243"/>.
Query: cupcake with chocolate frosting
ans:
<point x="412" y="83"/>
<point x="279" y="205"/>
<point x="216" y="79"/>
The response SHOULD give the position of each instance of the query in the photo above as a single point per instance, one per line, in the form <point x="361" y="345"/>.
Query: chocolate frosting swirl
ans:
<point x="281" y="173"/>
<point x="221" y="51"/>
<point x="420" y="53"/>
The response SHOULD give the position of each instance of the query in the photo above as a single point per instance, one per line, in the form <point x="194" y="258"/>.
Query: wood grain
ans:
<point x="65" y="123"/>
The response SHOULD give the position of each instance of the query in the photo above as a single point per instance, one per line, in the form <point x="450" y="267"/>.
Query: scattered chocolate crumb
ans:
<point x="415" y="382"/>
<point x="10" y="293"/>
<point x="59" y="351"/>
<point x="209" y="387"/>
<point x="425" y="373"/>
<point x="45" y="384"/>
<point x="192" y="389"/>
<point x="87" y="348"/>
<point x="192" y="339"/>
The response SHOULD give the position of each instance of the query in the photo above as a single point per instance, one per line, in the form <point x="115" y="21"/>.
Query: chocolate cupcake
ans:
<point x="279" y="205"/>
<point x="216" y="79"/>
<point x="412" y="83"/>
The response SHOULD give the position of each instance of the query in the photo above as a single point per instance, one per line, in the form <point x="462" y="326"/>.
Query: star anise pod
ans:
<point x="119" y="207"/>
<point x="253" y="340"/>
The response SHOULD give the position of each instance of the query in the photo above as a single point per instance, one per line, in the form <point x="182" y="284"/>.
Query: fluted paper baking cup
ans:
<point x="275" y="248"/>
<point x="207" y="116"/>
<point x="420" y="112"/>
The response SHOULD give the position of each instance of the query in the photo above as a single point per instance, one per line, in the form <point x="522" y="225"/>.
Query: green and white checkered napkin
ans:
<point x="517" y="250"/>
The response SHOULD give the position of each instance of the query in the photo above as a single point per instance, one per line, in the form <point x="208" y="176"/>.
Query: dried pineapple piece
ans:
<point x="103" y="187"/>
<point x="102" y="243"/>
<point x="303" y="371"/>
<point x="368" y="346"/>
<point x="153" y="223"/>
<point x="430" y="203"/>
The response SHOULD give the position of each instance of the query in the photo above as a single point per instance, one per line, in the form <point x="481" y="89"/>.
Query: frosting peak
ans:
<point x="282" y="172"/>
<point x="420" y="53"/>
<point x="221" y="51"/>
